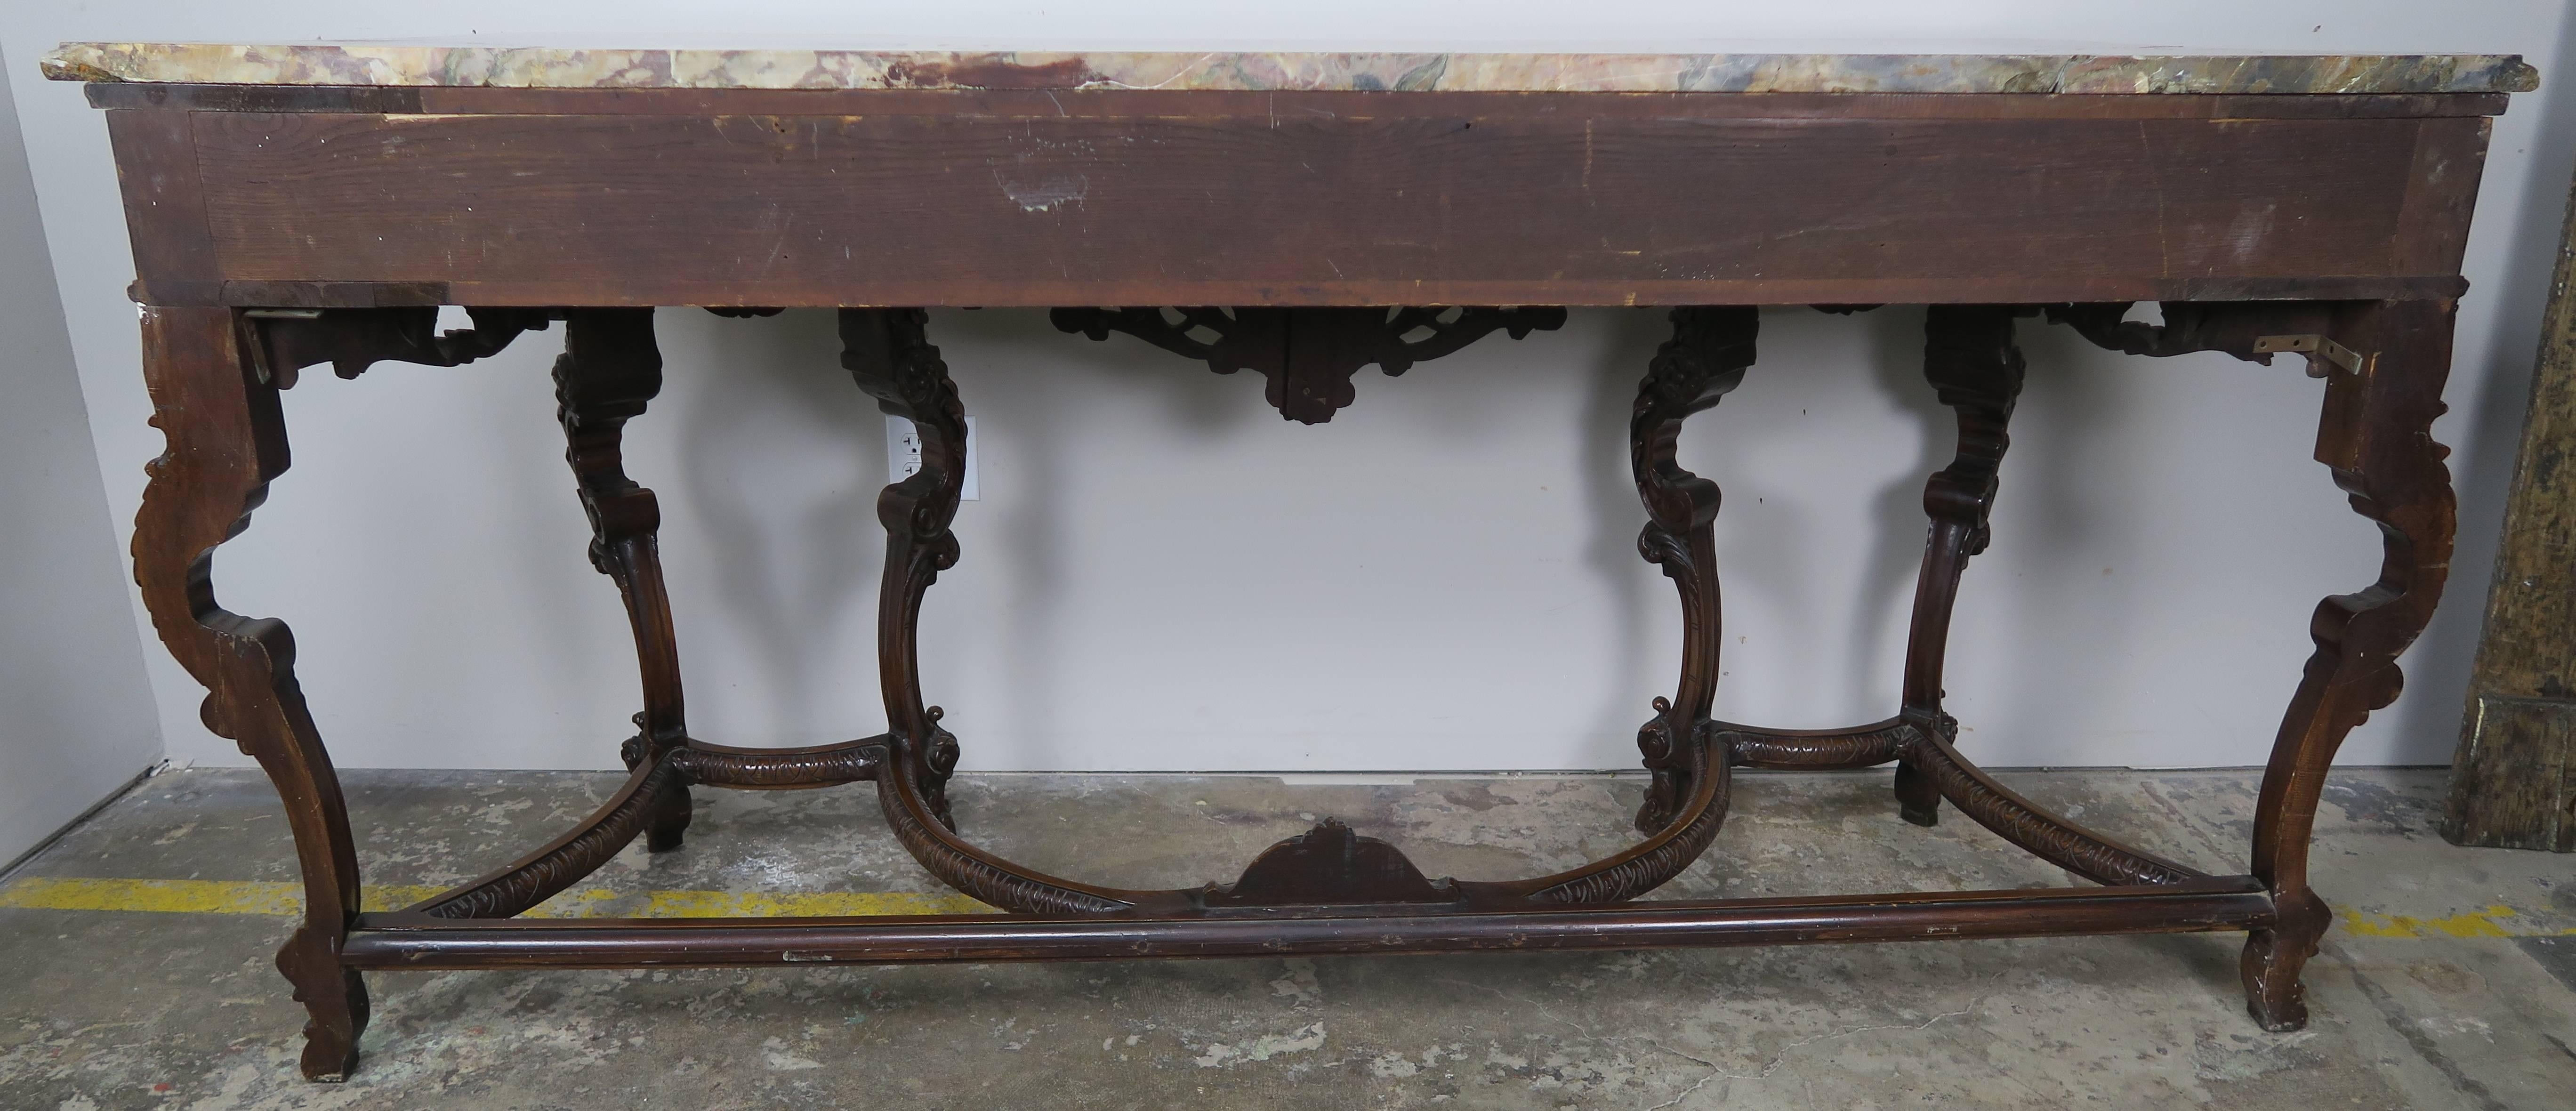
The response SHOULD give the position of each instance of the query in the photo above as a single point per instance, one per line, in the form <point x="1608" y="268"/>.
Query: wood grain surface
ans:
<point x="1259" y="199"/>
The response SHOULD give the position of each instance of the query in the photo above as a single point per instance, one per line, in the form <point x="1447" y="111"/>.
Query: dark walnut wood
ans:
<point x="351" y="340"/>
<point x="889" y="355"/>
<point x="1309" y="355"/>
<point x="780" y="768"/>
<point x="1336" y="226"/>
<point x="2026" y="823"/>
<point x="1710" y="350"/>
<point x="386" y="942"/>
<point x="1865" y="746"/>
<point x="562" y="862"/>
<point x="1976" y="370"/>
<point x="2513" y="781"/>
<point x="886" y="353"/>
<point x="226" y="439"/>
<point x="2375" y="437"/>
<point x="608" y="373"/>
<point x="1331" y="865"/>
<point x="1295" y="199"/>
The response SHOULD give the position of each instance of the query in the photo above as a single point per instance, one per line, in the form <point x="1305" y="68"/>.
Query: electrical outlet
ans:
<point x="903" y="454"/>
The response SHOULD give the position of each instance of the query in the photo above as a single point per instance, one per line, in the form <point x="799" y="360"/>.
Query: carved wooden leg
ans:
<point x="609" y="371"/>
<point x="2376" y="436"/>
<point x="1707" y="356"/>
<point x="1971" y="360"/>
<point x="226" y="438"/>
<point x="888" y="355"/>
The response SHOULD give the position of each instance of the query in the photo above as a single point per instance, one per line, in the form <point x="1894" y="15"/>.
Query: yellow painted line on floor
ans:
<point x="287" y="900"/>
<point x="2490" y="922"/>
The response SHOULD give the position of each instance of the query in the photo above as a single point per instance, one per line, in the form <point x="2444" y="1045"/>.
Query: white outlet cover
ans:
<point x="903" y="454"/>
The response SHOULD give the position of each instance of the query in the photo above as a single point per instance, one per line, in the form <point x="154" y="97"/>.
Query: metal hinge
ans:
<point x="2318" y="349"/>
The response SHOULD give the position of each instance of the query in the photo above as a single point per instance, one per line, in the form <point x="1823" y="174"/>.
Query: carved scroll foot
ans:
<point x="217" y="407"/>
<point x="2274" y="957"/>
<point x="2376" y="438"/>
<point x="2384" y="364"/>
<point x="335" y="1003"/>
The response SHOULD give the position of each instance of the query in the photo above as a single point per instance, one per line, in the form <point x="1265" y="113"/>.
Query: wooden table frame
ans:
<point x="280" y="228"/>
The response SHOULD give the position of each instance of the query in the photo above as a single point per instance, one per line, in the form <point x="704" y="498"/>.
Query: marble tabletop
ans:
<point x="551" y="67"/>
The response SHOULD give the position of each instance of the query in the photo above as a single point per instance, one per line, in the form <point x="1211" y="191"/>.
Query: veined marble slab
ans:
<point x="546" y="67"/>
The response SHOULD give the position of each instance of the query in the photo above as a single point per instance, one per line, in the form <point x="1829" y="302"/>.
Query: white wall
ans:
<point x="76" y="716"/>
<point x="1163" y="575"/>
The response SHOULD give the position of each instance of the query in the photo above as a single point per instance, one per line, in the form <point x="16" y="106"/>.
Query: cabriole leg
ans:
<point x="887" y="353"/>
<point x="1971" y="360"/>
<point x="609" y="371"/>
<point x="1710" y="350"/>
<point x="2376" y="437"/>
<point x="225" y="440"/>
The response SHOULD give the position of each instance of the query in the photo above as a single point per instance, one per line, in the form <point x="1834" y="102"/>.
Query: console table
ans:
<point x="1302" y="216"/>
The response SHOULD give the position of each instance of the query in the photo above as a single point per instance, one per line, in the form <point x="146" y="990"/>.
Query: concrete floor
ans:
<point x="2445" y="985"/>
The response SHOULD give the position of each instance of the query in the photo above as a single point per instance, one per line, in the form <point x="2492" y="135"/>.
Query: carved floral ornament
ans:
<point x="1310" y="354"/>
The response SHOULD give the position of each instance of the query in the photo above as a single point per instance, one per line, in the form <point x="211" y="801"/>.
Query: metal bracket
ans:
<point x="260" y="366"/>
<point x="2316" y="348"/>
